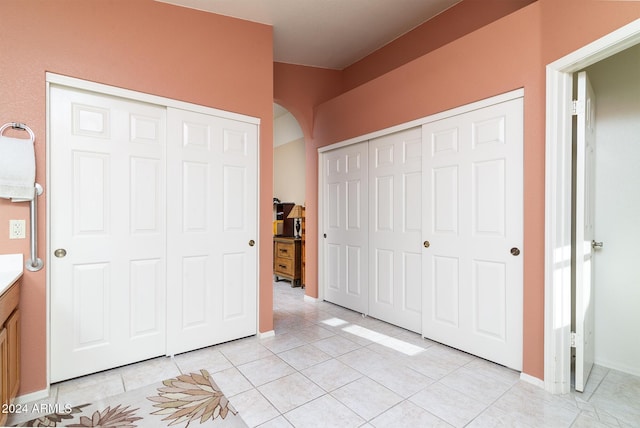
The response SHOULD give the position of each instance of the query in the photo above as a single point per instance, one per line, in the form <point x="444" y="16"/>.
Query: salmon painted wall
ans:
<point x="463" y="18"/>
<point x="142" y="45"/>
<point x="508" y="54"/>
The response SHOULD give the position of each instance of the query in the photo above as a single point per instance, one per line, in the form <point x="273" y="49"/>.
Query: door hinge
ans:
<point x="573" y="339"/>
<point x="577" y="107"/>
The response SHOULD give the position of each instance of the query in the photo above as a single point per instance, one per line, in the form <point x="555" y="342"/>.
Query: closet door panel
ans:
<point x="212" y="164"/>
<point x="345" y="190"/>
<point x="107" y="202"/>
<point x="473" y="220"/>
<point x="395" y="216"/>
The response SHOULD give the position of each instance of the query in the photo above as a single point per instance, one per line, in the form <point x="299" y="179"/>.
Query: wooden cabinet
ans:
<point x="9" y="346"/>
<point x="286" y="259"/>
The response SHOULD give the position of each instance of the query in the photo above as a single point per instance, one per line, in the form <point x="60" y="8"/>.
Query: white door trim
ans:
<point x="558" y="215"/>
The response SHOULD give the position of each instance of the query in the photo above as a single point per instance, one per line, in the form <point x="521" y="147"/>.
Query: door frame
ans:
<point x="558" y="213"/>
<point x="75" y="83"/>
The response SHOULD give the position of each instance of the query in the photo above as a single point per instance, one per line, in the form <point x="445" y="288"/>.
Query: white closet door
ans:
<point x="107" y="225"/>
<point x="395" y="219"/>
<point x="473" y="222"/>
<point x="212" y="217"/>
<point x="346" y="227"/>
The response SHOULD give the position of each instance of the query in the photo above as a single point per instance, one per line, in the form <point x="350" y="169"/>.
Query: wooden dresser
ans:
<point x="287" y="259"/>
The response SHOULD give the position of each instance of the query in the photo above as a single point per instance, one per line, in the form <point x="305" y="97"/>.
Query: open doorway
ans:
<point x="616" y="209"/>
<point x="559" y="216"/>
<point x="288" y="198"/>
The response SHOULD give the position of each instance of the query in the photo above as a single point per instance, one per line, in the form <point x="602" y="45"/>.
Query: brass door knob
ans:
<point x="515" y="251"/>
<point x="426" y="244"/>
<point x="252" y="243"/>
<point x="60" y="253"/>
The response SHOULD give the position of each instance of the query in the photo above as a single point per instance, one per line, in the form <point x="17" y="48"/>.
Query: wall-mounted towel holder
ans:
<point x="34" y="263"/>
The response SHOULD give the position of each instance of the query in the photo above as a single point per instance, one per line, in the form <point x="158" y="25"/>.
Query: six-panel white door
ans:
<point x="395" y="219"/>
<point x="211" y="220"/>
<point x="107" y="199"/>
<point x="473" y="228"/>
<point x="346" y="227"/>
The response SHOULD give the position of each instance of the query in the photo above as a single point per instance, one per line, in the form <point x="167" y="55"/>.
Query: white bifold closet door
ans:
<point x="152" y="210"/>
<point x="395" y="228"/>
<point x="473" y="224"/>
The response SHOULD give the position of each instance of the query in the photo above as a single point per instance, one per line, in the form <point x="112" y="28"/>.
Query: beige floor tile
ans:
<point x="231" y="381"/>
<point x="244" y="351"/>
<point x="290" y="391"/>
<point x="366" y="397"/>
<point x="407" y="414"/>
<point x="332" y="374"/>
<point x="265" y="370"/>
<point x="336" y="345"/>
<point x="322" y="412"/>
<point x="303" y="357"/>
<point x="448" y="404"/>
<point x="401" y="380"/>
<point x="209" y="359"/>
<point x="253" y="407"/>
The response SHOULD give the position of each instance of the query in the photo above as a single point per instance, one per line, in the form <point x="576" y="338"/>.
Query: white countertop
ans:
<point x="10" y="270"/>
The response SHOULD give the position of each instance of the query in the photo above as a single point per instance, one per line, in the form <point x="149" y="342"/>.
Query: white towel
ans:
<point x="17" y="169"/>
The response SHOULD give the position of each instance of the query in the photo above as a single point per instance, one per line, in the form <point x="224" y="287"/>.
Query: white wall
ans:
<point x="616" y="82"/>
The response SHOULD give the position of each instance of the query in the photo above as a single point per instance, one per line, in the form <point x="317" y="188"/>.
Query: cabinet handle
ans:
<point x="283" y="266"/>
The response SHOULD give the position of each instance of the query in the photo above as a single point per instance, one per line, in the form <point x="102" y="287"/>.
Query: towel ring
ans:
<point x="17" y="125"/>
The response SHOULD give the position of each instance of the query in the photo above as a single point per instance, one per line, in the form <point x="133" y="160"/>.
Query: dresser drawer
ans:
<point x="284" y="266"/>
<point x="284" y="250"/>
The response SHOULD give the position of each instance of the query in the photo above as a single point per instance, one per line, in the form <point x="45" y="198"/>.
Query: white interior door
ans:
<point x="107" y="214"/>
<point x="584" y="231"/>
<point x="395" y="228"/>
<point x="346" y="226"/>
<point x="473" y="231"/>
<point x="211" y="252"/>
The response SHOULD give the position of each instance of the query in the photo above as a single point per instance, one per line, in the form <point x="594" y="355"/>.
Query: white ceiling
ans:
<point x="327" y="33"/>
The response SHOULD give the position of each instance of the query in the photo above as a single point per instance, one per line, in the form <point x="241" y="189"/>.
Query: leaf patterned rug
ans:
<point x="187" y="400"/>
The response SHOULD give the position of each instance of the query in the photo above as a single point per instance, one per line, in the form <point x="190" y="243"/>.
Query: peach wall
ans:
<point x="463" y="18"/>
<point x="507" y="54"/>
<point x="299" y="89"/>
<point x="142" y="45"/>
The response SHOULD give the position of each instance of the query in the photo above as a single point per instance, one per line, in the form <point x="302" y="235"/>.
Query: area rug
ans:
<point x="187" y="400"/>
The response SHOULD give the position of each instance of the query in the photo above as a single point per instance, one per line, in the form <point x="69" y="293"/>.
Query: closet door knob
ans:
<point x="426" y="244"/>
<point x="60" y="253"/>
<point x="252" y="243"/>
<point x="515" y="251"/>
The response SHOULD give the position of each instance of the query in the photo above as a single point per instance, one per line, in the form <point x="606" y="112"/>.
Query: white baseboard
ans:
<point x="266" y="334"/>
<point x="532" y="380"/>
<point x="32" y="396"/>
<point x="311" y="299"/>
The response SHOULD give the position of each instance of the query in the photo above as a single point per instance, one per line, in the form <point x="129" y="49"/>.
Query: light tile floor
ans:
<point x="328" y="366"/>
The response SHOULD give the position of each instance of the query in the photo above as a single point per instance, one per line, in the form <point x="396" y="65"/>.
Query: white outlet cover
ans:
<point x="17" y="229"/>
